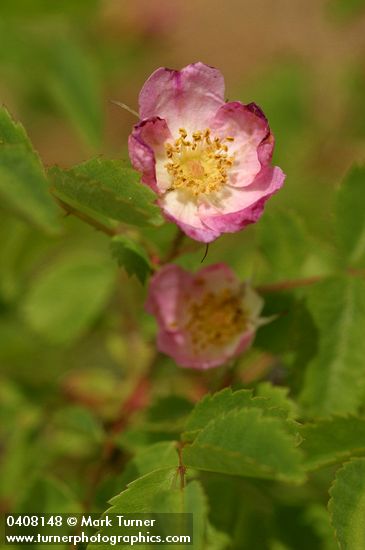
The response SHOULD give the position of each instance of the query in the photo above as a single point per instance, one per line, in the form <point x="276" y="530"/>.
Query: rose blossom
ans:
<point x="204" y="319"/>
<point x="208" y="161"/>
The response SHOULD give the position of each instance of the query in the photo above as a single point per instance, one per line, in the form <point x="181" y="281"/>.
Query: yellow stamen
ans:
<point x="215" y="320"/>
<point x="199" y="165"/>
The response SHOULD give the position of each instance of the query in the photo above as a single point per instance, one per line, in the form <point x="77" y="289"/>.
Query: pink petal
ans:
<point x="239" y="207"/>
<point x="245" y="342"/>
<point x="251" y="146"/>
<point x="166" y="295"/>
<point x="181" y="209"/>
<point x="177" y="346"/>
<point x="216" y="277"/>
<point x="188" y="98"/>
<point x="145" y="145"/>
<point x="171" y="291"/>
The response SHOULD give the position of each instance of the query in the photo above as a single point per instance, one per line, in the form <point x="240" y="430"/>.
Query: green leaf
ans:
<point x="154" y="457"/>
<point x="132" y="257"/>
<point x="107" y="188"/>
<point x="212" y="406"/>
<point x="350" y="219"/>
<point x="332" y="440"/>
<point x="334" y="381"/>
<point x="246" y="443"/>
<point x="140" y="494"/>
<point x="65" y="299"/>
<point x="278" y="396"/>
<point x="75" y="87"/>
<point x="284" y="242"/>
<point x="347" y="505"/>
<point x="159" y="493"/>
<point x="224" y="401"/>
<point x="11" y="132"/>
<point x="23" y="184"/>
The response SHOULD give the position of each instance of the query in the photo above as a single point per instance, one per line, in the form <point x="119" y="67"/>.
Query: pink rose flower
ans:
<point x="208" y="161"/>
<point x="204" y="319"/>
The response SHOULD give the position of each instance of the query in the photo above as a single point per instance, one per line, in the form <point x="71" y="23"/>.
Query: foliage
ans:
<point x="91" y="414"/>
<point x="347" y="505"/>
<point x="23" y="185"/>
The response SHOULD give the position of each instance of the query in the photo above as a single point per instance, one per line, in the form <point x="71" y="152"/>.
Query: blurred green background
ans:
<point x="70" y="338"/>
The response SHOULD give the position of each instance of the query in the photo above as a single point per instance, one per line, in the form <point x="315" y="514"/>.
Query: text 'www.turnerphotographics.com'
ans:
<point x="112" y="529"/>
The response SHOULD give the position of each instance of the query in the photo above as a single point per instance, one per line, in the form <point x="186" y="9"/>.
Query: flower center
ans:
<point x="200" y="164"/>
<point x="215" y="320"/>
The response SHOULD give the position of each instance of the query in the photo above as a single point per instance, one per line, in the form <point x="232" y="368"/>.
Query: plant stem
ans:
<point x="307" y="281"/>
<point x="70" y="210"/>
<point x="175" y="248"/>
<point x="289" y="284"/>
<point x="135" y="401"/>
<point x="181" y="468"/>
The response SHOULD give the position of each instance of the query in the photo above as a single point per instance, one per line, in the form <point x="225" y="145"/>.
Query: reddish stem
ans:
<point x="297" y="283"/>
<point x="181" y="468"/>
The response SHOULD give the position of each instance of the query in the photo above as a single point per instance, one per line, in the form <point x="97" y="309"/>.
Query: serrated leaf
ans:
<point x="140" y="494"/>
<point x="154" y="457"/>
<point x="335" y="378"/>
<point x="190" y="500"/>
<point x="332" y="440"/>
<point x="132" y="257"/>
<point x="66" y="298"/>
<point x="278" y="396"/>
<point x="74" y="85"/>
<point x="347" y="505"/>
<point x="107" y="188"/>
<point x="350" y="219"/>
<point x="11" y="132"/>
<point x="214" y="405"/>
<point x="284" y="242"/>
<point x="23" y="184"/>
<point x="246" y="443"/>
<point x="224" y="401"/>
<point x="125" y="183"/>
<point x="159" y="493"/>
